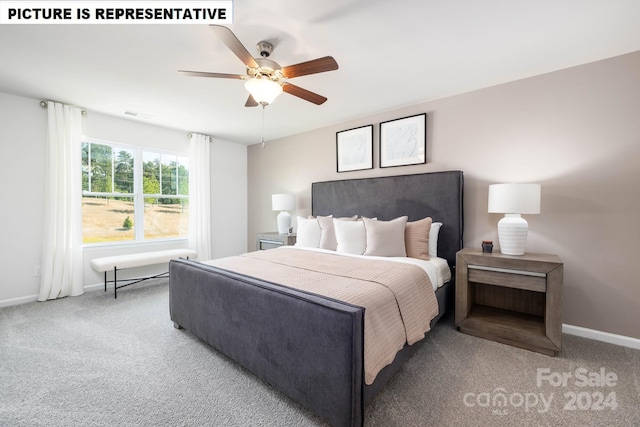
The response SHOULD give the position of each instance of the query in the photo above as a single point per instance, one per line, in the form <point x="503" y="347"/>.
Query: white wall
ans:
<point x="228" y="198"/>
<point x="22" y="146"/>
<point x="23" y="126"/>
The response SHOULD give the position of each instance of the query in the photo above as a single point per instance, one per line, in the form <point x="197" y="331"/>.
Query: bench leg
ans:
<point x="132" y="281"/>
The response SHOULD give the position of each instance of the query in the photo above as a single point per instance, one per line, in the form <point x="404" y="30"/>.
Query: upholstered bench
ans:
<point x="120" y="262"/>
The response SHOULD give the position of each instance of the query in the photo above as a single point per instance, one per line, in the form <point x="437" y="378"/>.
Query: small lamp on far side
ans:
<point x="283" y="203"/>
<point x="513" y="200"/>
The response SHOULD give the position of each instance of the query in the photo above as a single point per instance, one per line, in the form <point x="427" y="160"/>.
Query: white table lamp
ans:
<point x="513" y="200"/>
<point x="283" y="203"/>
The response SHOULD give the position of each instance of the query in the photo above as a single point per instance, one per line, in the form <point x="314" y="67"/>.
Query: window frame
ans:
<point x="138" y="194"/>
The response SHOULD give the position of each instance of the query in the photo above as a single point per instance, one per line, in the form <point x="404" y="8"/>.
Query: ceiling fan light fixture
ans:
<point x="263" y="90"/>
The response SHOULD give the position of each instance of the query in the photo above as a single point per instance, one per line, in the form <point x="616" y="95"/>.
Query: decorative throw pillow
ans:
<point x="385" y="238"/>
<point x="328" y="237"/>
<point x="433" y="238"/>
<point x="416" y="238"/>
<point x="351" y="237"/>
<point x="308" y="233"/>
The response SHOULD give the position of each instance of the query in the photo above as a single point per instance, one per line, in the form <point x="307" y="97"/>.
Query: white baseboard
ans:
<point x="96" y="287"/>
<point x="601" y="336"/>
<point x="18" y="301"/>
<point x="34" y="298"/>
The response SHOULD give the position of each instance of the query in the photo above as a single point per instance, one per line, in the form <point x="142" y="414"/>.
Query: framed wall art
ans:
<point x="403" y="141"/>
<point x="354" y="149"/>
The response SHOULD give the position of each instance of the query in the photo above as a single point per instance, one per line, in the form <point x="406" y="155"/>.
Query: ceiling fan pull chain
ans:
<point x="263" y="126"/>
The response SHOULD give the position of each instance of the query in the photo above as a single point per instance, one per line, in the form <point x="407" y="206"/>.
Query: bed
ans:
<point x="311" y="347"/>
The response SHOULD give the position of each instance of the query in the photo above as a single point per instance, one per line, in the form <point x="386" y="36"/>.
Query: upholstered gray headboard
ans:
<point x="436" y="194"/>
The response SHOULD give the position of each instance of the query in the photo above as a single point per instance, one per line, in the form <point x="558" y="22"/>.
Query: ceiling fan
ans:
<point x="266" y="79"/>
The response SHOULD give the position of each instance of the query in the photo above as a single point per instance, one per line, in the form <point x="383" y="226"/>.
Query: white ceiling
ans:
<point x="390" y="54"/>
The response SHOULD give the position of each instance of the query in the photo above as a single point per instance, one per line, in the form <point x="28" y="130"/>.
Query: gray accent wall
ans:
<point x="574" y="131"/>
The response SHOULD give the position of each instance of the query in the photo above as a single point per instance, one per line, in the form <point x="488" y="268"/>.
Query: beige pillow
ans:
<point x="385" y="238"/>
<point x="416" y="238"/>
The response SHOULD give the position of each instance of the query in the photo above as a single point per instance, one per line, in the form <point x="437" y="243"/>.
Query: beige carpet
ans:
<point x="96" y="361"/>
<point x="459" y="380"/>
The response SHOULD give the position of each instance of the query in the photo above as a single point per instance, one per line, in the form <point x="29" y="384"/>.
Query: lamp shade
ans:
<point x="283" y="202"/>
<point x="514" y="198"/>
<point x="263" y="90"/>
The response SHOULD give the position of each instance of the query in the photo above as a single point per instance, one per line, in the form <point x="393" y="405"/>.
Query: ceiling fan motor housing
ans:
<point x="267" y="68"/>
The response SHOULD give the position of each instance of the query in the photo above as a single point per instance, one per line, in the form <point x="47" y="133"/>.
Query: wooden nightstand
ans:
<point x="515" y="300"/>
<point x="272" y="240"/>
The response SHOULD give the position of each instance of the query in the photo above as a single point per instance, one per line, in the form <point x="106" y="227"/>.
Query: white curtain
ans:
<point x="62" y="267"/>
<point x="200" y="196"/>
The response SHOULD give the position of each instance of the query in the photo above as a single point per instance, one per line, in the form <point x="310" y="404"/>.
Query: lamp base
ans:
<point x="512" y="234"/>
<point x="284" y="222"/>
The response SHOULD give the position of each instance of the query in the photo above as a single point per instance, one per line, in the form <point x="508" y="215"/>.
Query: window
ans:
<point x="165" y="186"/>
<point x="133" y="193"/>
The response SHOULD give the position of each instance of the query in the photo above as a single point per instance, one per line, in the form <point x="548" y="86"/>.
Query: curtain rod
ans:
<point x="45" y="104"/>
<point x="190" y="134"/>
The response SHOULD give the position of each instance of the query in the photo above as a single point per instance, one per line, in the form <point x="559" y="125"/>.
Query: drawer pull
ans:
<point x="507" y="270"/>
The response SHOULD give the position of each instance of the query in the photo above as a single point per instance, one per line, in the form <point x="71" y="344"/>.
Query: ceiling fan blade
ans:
<point x="206" y="74"/>
<point x="251" y="102"/>
<point x="304" y="94"/>
<point x="232" y="42"/>
<point x="319" y="65"/>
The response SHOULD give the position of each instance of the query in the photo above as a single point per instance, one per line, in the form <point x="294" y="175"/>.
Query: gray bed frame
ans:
<point x="307" y="346"/>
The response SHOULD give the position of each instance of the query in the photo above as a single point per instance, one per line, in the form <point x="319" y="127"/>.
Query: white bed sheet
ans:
<point x="436" y="268"/>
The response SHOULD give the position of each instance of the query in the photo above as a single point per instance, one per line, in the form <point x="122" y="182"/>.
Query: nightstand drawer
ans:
<point x="268" y="244"/>
<point x="508" y="279"/>
<point x="272" y="240"/>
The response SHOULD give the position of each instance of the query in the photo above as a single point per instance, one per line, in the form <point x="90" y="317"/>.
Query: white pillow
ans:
<point x="308" y="233"/>
<point x="385" y="238"/>
<point x="350" y="236"/>
<point x="433" y="238"/>
<point x="328" y="237"/>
